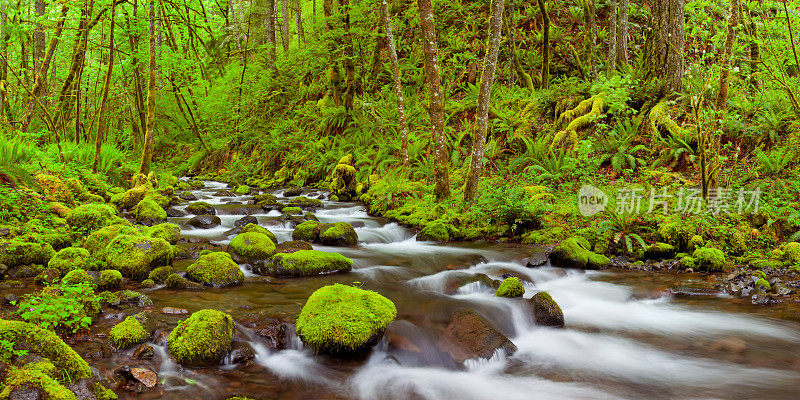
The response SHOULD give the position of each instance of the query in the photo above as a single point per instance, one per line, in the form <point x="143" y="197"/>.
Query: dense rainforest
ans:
<point x="344" y="199"/>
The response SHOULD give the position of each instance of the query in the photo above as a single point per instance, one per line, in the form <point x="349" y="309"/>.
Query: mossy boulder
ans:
<point x="97" y="242"/>
<point x="709" y="259"/>
<point x="659" y="251"/>
<point x="435" y="231"/>
<point x="260" y="229"/>
<point x="687" y="262"/>
<point x="338" y="234"/>
<point x="737" y="244"/>
<point x="251" y="247"/>
<point x="242" y="190"/>
<point x="215" y="269"/>
<point x="292" y="211"/>
<point x="91" y="217"/>
<point x="201" y="208"/>
<point x="510" y="287"/>
<point x="148" y="213"/>
<point x="205" y="221"/>
<point x="695" y="242"/>
<point x="791" y="252"/>
<point x="305" y="202"/>
<point x="110" y="279"/>
<point x="127" y="333"/>
<point x="18" y="252"/>
<point x="762" y="285"/>
<point x="574" y="253"/>
<point x="135" y="256"/>
<point x="69" y="259"/>
<point x="160" y="274"/>
<point x="77" y="276"/>
<point x="343" y="181"/>
<point x="344" y="320"/>
<point x="264" y="197"/>
<point x="175" y="281"/>
<point x="292" y="246"/>
<point x="131" y="197"/>
<point x="307" y="231"/>
<point x="306" y="262"/>
<point x="203" y="339"/>
<point x="546" y="311"/>
<point x="167" y="231"/>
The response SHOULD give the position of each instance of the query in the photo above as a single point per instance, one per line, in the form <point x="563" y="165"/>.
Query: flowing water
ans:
<point x="625" y="337"/>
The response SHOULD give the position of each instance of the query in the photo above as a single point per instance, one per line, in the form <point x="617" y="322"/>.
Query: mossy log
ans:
<point x="658" y="120"/>
<point x="577" y="119"/>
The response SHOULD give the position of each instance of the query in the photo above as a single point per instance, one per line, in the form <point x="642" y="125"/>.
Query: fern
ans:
<point x="774" y="162"/>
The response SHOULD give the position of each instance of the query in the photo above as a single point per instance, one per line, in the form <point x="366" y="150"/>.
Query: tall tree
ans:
<point x="101" y="125"/>
<point x="622" y="33"/>
<point x="435" y="108"/>
<point x="612" y="36"/>
<point x="592" y="37"/>
<point x="3" y="62"/>
<point x="545" y="45"/>
<point x="727" y="53"/>
<point x="484" y="96"/>
<point x="285" y="24"/>
<point x="398" y="84"/>
<point x="147" y="150"/>
<point x="664" y="44"/>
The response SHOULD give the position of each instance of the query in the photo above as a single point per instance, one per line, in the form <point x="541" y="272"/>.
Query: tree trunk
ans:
<point x="38" y="35"/>
<point x="3" y="62"/>
<point x="139" y="114"/>
<point x="270" y="28"/>
<point x="622" y="33"/>
<point x="101" y="126"/>
<point x="727" y="52"/>
<point x="147" y="151"/>
<point x="301" y="33"/>
<point x="398" y="84"/>
<point x="545" y="45"/>
<point x="285" y="24"/>
<point x="664" y="44"/>
<point x="593" y="38"/>
<point x="349" y="57"/>
<point x="435" y="108"/>
<point x="612" y="37"/>
<point x="484" y="96"/>
<point x="512" y="41"/>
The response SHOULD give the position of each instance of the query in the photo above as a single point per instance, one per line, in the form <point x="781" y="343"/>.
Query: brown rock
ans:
<point x="470" y="336"/>
<point x="547" y="311"/>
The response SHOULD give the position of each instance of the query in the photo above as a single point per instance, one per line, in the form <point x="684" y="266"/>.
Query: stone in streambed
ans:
<point x="546" y="310"/>
<point x="215" y="269"/>
<point x="292" y="246"/>
<point x="251" y="247"/>
<point x="305" y="263"/>
<point x="201" y="208"/>
<point x="337" y="234"/>
<point x="203" y="339"/>
<point x="575" y="252"/>
<point x="470" y="336"/>
<point x="205" y="221"/>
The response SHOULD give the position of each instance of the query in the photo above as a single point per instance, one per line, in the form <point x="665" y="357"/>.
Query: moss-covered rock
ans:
<point x="709" y="259"/>
<point x="127" y="333"/>
<point x="160" y="274"/>
<point x="574" y="253"/>
<point x="242" y="190"/>
<point x="341" y="320"/>
<point x="110" y="279"/>
<point x="511" y="287"/>
<point x="147" y="212"/>
<point x="264" y="197"/>
<point x="131" y="197"/>
<point x="201" y="208"/>
<point x="260" y="229"/>
<point x="695" y="242"/>
<point x="292" y="211"/>
<point x="134" y="256"/>
<point x="546" y="310"/>
<point x="69" y="259"/>
<point x="337" y="234"/>
<point x="77" y="276"/>
<point x="343" y="181"/>
<point x="215" y="269"/>
<point x="307" y="231"/>
<point x="791" y="252"/>
<point x="687" y="262"/>
<point x="304" y="202"/>
<point x="292" y="246"/>
<point x="251" y="247"/>
<point x="435" y="231"/>
<point x="19" y="252"/>
<point x="202" y="339"/>
<point x="659" y="251"/>
<point x="305" y="263"/>
<point x="30" y="378"/>
<point x="175" y="281"/>
<point x="167" y="231"/>
<point x="762" y="285"/>
<point x="97" y="242"/>
<point x="736" y="243"/>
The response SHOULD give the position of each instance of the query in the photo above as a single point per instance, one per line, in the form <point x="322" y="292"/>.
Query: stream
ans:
<point x="625" y="336"/>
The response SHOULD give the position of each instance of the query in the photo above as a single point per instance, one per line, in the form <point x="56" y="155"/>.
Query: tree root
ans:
<point x="577" y="119"/>
<point x="658" y="120"/>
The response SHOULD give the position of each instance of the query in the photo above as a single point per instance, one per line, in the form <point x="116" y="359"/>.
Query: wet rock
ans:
<point x="203" y="339"/>
<point x="249" y="219"/>
<point x="27" y="393"/>
<point x="241" y="353"/>
<point x="470" y="336"/>
<point x="83" y="389"/>
<point x="176" y="281"/>
<point x="292" y="246"/>
<point x="270" y="205"/>
<point x="144" y="352"/>
<point x="293" y="191"/>
<point x="97" y="350"/>
<point x="304" y="263"/>
<point x="189" y="196"/>
<point x="537" y="260"/>
<point x="201" y="208"/>
<point x="173" y="213"/>
<point x="763" y="299"/>
<point x="136" y="375"/>
<point x="10" y="299"/>
<point x="452" y="285"/>
<point x="224" y="193"/>
<point x="781" y="290"/>
<point x="337" y="234"/>
<point x="273" y="329"/>
<point x="205" y="221"/>
<point x="575" y="253"/>
<point x="415" y="346"/>
<point x="174" y="311"/>
<point x="546" y="310"/>
<point x="689" y="291"/>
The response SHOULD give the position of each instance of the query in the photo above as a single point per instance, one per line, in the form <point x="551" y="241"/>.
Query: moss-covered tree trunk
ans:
<point x="398" y="84"/>
<point x="484" y="96"/>
<point x="611" y="65"/>
<point x="147" y="150"/>
<point x="622" y="33"/>
<point x="3" y="63"/>
<point x="301" y="32"/>
<point x="435" y="108"/>
<point x="727" y="52"/>
<point x="545" y="45"/>
<point x="285" y="25"/>
<point x="664" y="44"/>
<point x="349" y="57"/>
<point x="101" y="126"/>
<point x="272" y="44"/>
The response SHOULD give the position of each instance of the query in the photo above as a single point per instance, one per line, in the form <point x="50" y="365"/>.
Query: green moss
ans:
<point x="292" y="211"/>
<point x="791" y="252"/>
<point x="657" y="251"/>
<point x="339" y="319"/>
<point x="160" y="274"/>
<point x="202" y="339"/>
<point x="132" y="197"/>
<point x="759" y="274"/>
<point x="260" y="229"/>
<point x="69" y="259"/>
<point x="175" y="281"/>
<point x="128" y="333"/>
<point x="18" y="252"/>
<point x="251" y="246"/>
<point x="97" y="242"/>
<point x="201" y="208"/>
<point x="597" y="261"/>
<point x="574" y="253"/>
<point x="148" y="283"/>
<point x="736" y="243"/>
<point x="687" y="262"/>
<point x="110" y="279"/>
<point x="91" y="216"/>
<point x="265" y="197"/>
<point x="242" y="189"/>
<point x="77" y="276"/>
<point x="107" y="298"/>
<point x="343" y="181"/>
<point x="31" y="378"/>
<point x="167" y="231"/>
<point x="307" y="231"/>
<point x="134" y="256"/>
<point x="338" y="234"/>
<point x="304" y="202"/>
<point x="216" y="269"/>
<point x="46" y="344"/>
<point x="762" y="285"/>
<point x="308" y="262"/>
<point x="511" y="287"/>
<point x="148" y="212"/>
<point x="435" y="231"/>
<point x="709" y="259"/>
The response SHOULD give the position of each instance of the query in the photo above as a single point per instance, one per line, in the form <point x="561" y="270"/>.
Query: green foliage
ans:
<point x="63" y="308"/>
<point x="8" y="352"/>
<point x="626" y="230"/>
<point x="619" y="149"/>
